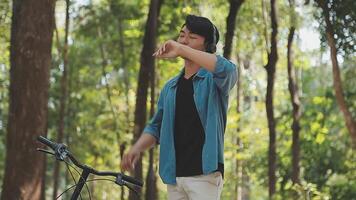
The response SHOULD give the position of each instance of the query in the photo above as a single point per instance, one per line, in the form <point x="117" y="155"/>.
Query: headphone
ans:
<point x="211" y="47"/>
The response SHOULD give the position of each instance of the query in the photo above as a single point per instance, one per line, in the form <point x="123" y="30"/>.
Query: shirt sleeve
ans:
<point x="153" y="127"/>
<point x="225" y="74"/>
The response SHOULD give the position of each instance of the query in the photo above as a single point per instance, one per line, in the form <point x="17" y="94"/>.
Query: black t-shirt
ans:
<point x="189" y="133"/>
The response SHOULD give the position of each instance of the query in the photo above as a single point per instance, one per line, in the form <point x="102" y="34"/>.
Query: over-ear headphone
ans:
<point x="211" y="47"/>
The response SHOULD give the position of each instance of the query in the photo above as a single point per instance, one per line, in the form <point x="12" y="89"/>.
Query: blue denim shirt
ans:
<point x="211" y="95"/>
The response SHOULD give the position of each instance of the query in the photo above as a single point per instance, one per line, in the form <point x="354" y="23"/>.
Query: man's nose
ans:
<point x="184" y="40"/>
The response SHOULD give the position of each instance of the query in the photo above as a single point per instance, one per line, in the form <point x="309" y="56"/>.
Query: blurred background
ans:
<point x="81" y="73"/>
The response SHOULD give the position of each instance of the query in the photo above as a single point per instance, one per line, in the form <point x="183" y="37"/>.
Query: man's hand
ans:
<point x="169" y="49"/>
<point x="173" y="49"/>
<point x="129" y="160"/>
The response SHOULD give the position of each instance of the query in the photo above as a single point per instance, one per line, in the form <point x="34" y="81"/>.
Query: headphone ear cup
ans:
<point x="211" y="48"/>
<point x="207" y="47"/>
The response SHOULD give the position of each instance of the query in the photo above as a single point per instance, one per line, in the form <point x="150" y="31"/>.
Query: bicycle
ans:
<point x="61" y="153"/>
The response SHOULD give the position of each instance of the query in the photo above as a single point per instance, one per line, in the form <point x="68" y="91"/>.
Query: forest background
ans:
<point x="81" y="72"/>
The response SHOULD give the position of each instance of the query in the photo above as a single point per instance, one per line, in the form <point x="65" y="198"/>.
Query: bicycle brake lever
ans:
<point x="61" y="152"/>
<point x="121" y="182"/>
<point x="45" y="151"/>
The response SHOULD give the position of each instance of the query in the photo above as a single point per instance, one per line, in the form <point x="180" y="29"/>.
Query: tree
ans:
<point x="294" y="95"/>
<point x="326" y="7"/>
<point x="30" y="59"/>
<point x="271" y="72"/>
<point x="147" y="63"/>
<point x="229" y="35"/>
<point x="63" y="99"/>
<point x="151" y="179"/>
<point x="230" y="26"/>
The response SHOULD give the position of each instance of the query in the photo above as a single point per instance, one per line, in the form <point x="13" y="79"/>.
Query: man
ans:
<point x="190" y="120"/>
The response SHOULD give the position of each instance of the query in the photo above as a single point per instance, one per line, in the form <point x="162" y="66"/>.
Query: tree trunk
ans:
<point x="246" y="180"/>
<point x="63" y="99"/>
<point x="350" y="122"/>
<point x="230" y="26"/>
<point x="294" y="94"/>
<point x="147" y="62"/>
<point x="122" y="150"/>
<point x="229" y="35"/>
<point x="271" y="71"/>
<point x="151" y="179"/>
<point x="30" y="59"/>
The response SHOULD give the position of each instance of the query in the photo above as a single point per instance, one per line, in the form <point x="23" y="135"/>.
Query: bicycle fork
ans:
<point x="82" y="179"/>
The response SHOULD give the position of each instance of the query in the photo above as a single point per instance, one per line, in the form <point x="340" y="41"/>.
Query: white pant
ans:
<point x="203" y="187"/>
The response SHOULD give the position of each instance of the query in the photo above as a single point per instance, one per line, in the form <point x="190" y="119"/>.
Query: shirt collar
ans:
<point x="200" y="74"/>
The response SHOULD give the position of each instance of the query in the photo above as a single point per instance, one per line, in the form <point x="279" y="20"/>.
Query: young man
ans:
<point x="191" y="115"/>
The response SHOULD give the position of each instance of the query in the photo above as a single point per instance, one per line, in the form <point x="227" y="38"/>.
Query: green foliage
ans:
<point x="95" y="128"/>
<point x="343" y="18"/>
<point x="306" y="191"/>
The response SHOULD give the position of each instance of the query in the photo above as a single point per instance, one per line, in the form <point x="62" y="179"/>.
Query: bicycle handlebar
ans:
<point x="61" y="152"/>
<point x="47" y="142"/>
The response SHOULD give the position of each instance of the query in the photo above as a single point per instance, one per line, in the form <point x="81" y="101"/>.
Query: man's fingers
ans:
<point x="162" y="51"/>
<point x="126" y="162"/>
<point x="129" y="161"/>
<point x="164" y="46"/>
<point x="134" y="160"/>
<point x="123" y="164"/>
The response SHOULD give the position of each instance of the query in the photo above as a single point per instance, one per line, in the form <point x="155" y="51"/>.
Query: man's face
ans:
<point x="192" y="40"/>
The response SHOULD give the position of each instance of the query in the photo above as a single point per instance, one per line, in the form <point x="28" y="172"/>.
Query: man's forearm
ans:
<point x="145" y="142"/>
<point x="204" y="59"/>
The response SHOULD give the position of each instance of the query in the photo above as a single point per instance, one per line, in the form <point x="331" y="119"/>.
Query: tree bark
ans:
<point x="151" y="179"/>
<point x="229" y="35"/>
<point x="350" y="122"/>
<point x="295" y="101"/>
<point x="63" y="99"/>
<point x="271" y="71"/>
<point x="230" y="26"/>
<point x="147" y="63"/>
<point x="30" y="60"/>
<point x="122" y="151"/>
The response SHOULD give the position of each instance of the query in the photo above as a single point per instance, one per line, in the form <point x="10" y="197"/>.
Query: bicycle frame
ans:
<point x="61" y="152"/>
